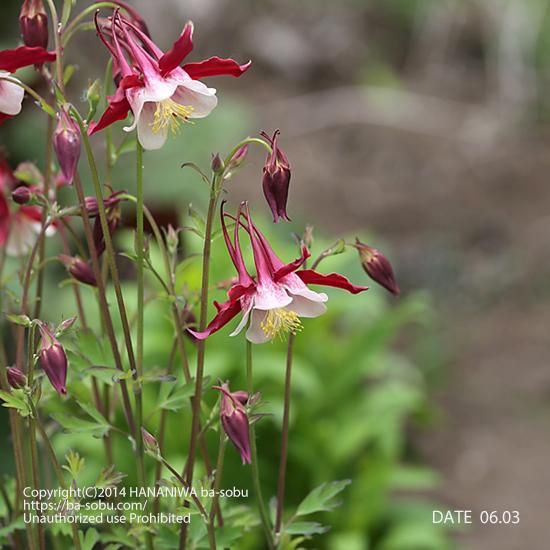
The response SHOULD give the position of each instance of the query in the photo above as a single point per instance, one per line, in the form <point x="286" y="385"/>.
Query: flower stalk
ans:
<point x="264" y="517"/>
<point x="284" y="439"/>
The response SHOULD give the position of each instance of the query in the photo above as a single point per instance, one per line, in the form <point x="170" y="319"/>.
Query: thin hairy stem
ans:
<point x="264" y="517"/>
<point x="284" y="438"/>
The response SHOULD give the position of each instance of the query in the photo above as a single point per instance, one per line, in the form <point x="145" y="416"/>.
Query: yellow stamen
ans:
<point x="170" y="114"/>
<point x="279" y="321"/>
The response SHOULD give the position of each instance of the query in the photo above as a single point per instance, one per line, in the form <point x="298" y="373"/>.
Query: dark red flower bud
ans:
<point x="66" y="142"/>
<point x="79" y="269"/>
<point x="53" y="360"/>
<point x="276" y="179"/>
<point x="377" y="266"/>
<point x="188" y="321"/>
<point x="21" y="195"/>
<point x="113" y="219"/>
<point x="234" y="420"/>
<point x="33" y="22"/>
<point x="92" y="207"/>
<point x="16" y="378"/>
<point x="217" y="164"/>
<point x="238" y="158"/>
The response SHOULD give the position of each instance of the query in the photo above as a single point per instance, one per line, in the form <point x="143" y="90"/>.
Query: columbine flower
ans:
<point x="11" y="93"/>
<point x="377" y="266"/>
<point x="275" y="300"/>
<point x="20" y="227"/>
<point x="234" y="420"/>
<point x="276" y="179"/>
<point x="33" y="22"/>
<point x="160" y="93"/>
<point x="67" y="142"/>
<point x="53" y="359"/>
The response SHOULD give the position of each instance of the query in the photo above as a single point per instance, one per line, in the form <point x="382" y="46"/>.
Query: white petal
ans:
<point x="271" y="296"/>
<point x="195" y="94"/>
<point x="148" y="138"/>
<point x="246" y="313"/>
<point x="155" y="91"/>
<point x="11" y="96"/>
<point x="23" y="235"/>
<point x="255" y="333"/>
<point x="296" y="286"/>
<point x="306" y="308"/>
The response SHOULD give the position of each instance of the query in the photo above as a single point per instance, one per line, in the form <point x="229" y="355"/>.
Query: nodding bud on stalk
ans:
<point x="150" y="442"/>
<point x="67" y="142"/>
<point x="33" y="22"/>
<point x="238" y="158"/>
<point x="92" y="207"/>
<point x="276" y="179"/>
<point x="79" y="269"/>
<point x="377" y="266"/>
<point x="22" y="195"/>
<point x="234" y="420"/>
<point x="113" y="217"/>
<point x="53" y="359"/>
<point x="16" y="377"/>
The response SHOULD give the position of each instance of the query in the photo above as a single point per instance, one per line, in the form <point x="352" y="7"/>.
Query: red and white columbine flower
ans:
<point x="21" y="226"/>
<point x="276" y="299"/>
<point x="11" y="93"/>
<point x="160" y="92"/>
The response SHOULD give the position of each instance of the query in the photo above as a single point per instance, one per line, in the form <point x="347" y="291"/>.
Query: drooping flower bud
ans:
<point x="79" y="269"/>
<point x="92" y="207"/>
<point x="53" y="359"/>
<point x="16" y="377"/>
<point x="188" y="321"/>
<point x="238" y="158"/>
<point x="66" y="142"/>
<point x="21" y="195"/>
<point x="377" y="267"/>
<point x="276" y="179"/>
<point x="234" y="420"/>
<point x="113" y="219"/>
<point x="149" y="441"/>
<point x="33" y="22"/>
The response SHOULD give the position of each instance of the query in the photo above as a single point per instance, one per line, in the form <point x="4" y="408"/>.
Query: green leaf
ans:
<point x="89" y="539"/>
<point x="97" y="428"/>
<point x="74" y="424"/>
<point x="75" y="464"/>
<point x="6" y="531"/>
<point x="22" y="320"/>
<point x="178" y="397"/>
<point x="306" y="528"/>
<point x="16" y="399"/>
<point x="322" y="499"/>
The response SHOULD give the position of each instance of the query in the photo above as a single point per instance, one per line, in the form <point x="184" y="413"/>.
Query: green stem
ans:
<point x="202" y="325"/>
<point x="204" y="513"/>
<point x="284" y="439"/>
<point x="110" y="255"/>
<point x="140" y="322"/>
<point x="103" y="305"/>
<point x="55" y="463"/>
<point x="218" y="479"/>
<point x="264" y="517"/>
<point x="58" y="45"/>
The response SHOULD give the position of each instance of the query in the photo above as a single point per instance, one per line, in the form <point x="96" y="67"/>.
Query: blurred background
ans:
<point x="422" y="127"/>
